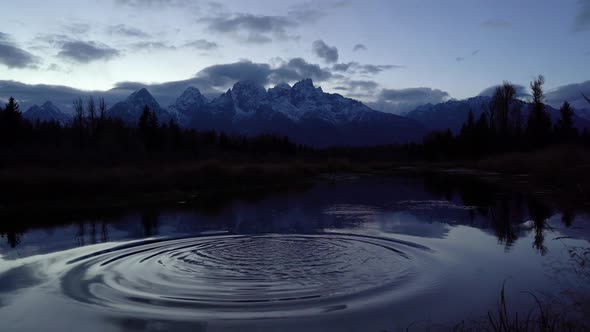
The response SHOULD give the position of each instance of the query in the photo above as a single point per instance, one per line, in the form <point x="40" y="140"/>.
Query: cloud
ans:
<point x="358" y="88"/>
<point x="474" y="53"/>
<point x="306" y="12"/>
<point x="14" y="57"/>
<point x="521" y="91"/>
<point x="496" y="24"/>
<point x="582" y="22"/>
<point x="152" y="46"/>
<point x="404" y="100"/>
<point x="127" y="31"/>
<point x="298" y="69"/>
<point x="571" y="93"/>
<point x="256" y="29"/>
<point x="327" y="53"/>
<point x="85" y="52"/>
<point x="459" y="59"/>
<point x="153" y="3"/>
<point x="202" y="44"/>
<point x="226" y="74"/>
<point x="355" y="67"/>
<point x="359" y="47"/>
<point x="77" y="28"/>
<point x="376" y="69"/>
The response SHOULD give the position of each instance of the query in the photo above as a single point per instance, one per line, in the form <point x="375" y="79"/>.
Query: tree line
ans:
<point x="95" y="137"/>
<point x="502" y="128"/>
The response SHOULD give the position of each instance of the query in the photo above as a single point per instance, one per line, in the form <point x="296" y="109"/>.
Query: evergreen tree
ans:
<point x="148" y="127"/>
<point x="12" y="114"/>
<point x="564" y="129"/>
<point x="539" y="122"/>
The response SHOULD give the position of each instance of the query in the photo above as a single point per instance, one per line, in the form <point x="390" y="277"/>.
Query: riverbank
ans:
<point x="556" y="172"/>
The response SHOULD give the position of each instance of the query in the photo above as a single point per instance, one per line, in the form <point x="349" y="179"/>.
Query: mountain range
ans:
<point x="47" y="112"/>
<point x="453" y="113"/>
<point x="303" y="112"/>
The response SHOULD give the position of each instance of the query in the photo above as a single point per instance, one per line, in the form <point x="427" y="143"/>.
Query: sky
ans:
<point x="392" y="54"/>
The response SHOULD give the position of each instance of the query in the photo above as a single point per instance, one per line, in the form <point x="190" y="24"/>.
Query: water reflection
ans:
<point x="424" y="207"/>
<point x="337" y="254"/>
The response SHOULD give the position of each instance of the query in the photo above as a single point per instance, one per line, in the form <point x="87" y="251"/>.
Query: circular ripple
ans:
<point x="241" y="276"/>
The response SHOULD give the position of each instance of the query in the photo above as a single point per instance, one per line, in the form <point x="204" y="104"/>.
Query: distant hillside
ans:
<point x="47" y="112"/>
<point x="453" y="114"/>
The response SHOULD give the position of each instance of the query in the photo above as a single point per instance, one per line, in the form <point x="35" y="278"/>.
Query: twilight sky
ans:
<point x="394" y="54"/>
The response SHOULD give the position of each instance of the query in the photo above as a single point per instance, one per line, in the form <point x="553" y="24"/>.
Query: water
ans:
<point x="357" y="254"/>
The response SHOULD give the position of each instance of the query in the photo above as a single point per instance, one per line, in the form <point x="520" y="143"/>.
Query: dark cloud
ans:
<point x="474" y="53"/>
<point x="226" y="74"/>
<point x="404" y="100"/>
<point x="355" y="67"/>
<point x="152" y="46"/>
<point x="85" y="52"/>
<point x="344" y="67"/>
<point x="359" y="47"/>
<point x="521" y="91"/>
<point x="127" y="31"/>
<point x="459" y="59"/>
<point x="582" y="22"/>
<point x="325" y="52"/>
<point x="257" y="29"/>
<point x="202" y="44"/>
<point x="496" y="24"/>
<point x="376" y="69"/>
<point x="298" y="69"/>
<point x="14" y="57"/>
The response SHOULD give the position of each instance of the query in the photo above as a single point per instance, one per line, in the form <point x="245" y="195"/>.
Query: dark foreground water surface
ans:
<point x="354" y="254"/>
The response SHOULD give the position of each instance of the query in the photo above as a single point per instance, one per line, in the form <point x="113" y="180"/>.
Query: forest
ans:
<point x="97" y="155"/>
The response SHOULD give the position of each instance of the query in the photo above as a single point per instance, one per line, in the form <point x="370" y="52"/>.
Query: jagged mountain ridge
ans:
<point x="46" y="112"/>
<point x="452" y="114"/>
<point x="303" y="112"/>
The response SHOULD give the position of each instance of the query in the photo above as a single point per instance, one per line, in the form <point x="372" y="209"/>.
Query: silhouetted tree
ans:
<point x="102" y="109"/>
<point x="78" y="112"/>
<point x="11" y="123"/>
<point x="148" y="127"/>
<point x="564" y="128"/>
<point x="539" y="122"/>
<point x="501" y="101"/>
<point x="91" y="111"/>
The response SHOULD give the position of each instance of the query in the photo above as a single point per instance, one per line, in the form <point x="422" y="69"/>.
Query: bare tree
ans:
<point x="102" y="108"/>
<point x="79" y="112"/>
<point x="91" y="109"/>
<point x="501" y="101"/>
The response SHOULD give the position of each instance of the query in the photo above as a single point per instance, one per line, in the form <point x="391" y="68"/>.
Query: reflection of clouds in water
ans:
<point x="363" y="213"/>
<point x="409" y="224"/>
<point x="431" y="204"/>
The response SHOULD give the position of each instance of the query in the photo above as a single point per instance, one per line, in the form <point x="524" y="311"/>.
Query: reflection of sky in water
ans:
<point x="476" y="246"/>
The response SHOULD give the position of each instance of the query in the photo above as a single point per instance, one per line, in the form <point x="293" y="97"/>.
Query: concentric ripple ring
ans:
<point x="241" y="276"/>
